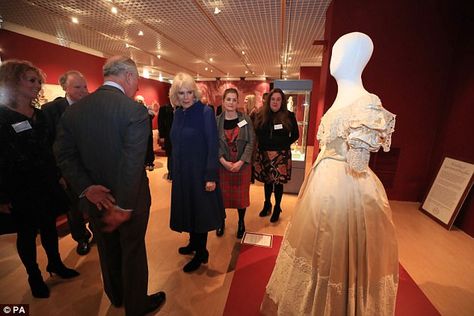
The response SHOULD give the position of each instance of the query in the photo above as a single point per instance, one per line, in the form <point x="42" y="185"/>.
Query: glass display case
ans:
<point x="298" y="94"/>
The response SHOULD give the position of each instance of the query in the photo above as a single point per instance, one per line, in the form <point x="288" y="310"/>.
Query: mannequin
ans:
<point x="340" y="249"/>
<point x="289" y="104"/>
<point x="350" y="55"/>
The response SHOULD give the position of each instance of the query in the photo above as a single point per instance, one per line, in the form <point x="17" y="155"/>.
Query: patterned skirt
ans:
<point x="272" y="166"/>
<point x="235" y="187"/>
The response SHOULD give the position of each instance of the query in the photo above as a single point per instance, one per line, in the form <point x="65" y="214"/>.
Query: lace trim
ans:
<point x="297" y="289"/>
<point x="365" y="116"/>
<point x="365" y="126"/>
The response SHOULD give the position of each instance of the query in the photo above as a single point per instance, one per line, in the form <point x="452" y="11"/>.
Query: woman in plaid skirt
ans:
<point x="236" y="143"/>
<point x="276" y="129"/>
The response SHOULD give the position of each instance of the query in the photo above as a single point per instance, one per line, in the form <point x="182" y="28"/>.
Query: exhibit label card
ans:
<point x="258" y="239"/>
<point x="449" y="189"/>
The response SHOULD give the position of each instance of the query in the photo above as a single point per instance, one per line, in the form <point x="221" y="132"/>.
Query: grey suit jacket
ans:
<point x="102" y="140"/>
<point x="245" y="140"/>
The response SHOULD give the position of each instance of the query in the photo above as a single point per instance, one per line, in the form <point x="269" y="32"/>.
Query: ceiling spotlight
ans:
<point x="206" y="69"/>
<point x="289" y="58"/>
<point x="75" y="20"/>
<point x="212" y="70"/>
<point x="243" y="53"/>
<point x="246" y="71"/>
<point x="285" y="71"/>
<point x="211" y="60"/>
<point x="114" y="10"/>
<point x="159" y="56"/>
<point x="216" y="10"/>
<point x="140" y="33"/>
<point x="126" y="45"/>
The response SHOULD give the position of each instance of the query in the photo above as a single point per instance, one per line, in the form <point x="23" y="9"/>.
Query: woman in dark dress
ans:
<point x="196" y="201"/>
<point x="276" y="129"/>
<point x="29" y="181"/>
<point x="236" y="145"/>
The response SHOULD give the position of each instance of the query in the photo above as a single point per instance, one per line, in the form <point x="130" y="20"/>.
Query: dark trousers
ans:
<point x="123" y="261"/>
<point x="28" y="226"/>
<point x="75" y="218"/>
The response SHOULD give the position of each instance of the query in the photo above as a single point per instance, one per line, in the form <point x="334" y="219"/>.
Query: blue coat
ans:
<point x="195" y="161"/>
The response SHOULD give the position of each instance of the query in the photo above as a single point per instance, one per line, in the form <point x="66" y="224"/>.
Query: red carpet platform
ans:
<point x="255" y="265"/>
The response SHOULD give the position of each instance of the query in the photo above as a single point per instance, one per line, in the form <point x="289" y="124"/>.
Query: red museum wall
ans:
<point x="54" y="60"/>
<point x="422" y="69"/>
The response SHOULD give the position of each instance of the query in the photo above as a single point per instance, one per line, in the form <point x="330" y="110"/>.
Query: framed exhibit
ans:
<point x="448" y="191"/>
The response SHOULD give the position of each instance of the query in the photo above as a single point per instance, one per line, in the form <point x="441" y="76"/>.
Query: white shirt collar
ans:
<point x="114" y="84"/>
<point x="69" y="101"/>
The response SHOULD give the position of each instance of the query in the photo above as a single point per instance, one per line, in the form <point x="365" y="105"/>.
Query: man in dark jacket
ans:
<point x="75" y="86"/>
<point x="100" y="148"/>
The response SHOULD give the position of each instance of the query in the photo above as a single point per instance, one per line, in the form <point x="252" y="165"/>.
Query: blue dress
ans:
<point x="194" y="143"/>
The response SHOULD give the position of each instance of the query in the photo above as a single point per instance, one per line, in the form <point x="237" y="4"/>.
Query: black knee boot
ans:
<point x="277" y="209"/>
<point x="201" y="256"/>
<point x="267" y="207"/>
<point x="241" y="225"/>
<point x="189" y="248"/>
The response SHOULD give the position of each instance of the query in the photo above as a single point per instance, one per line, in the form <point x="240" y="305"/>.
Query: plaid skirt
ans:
<point x="235" y="187"/>
<point x="272" y="167"/>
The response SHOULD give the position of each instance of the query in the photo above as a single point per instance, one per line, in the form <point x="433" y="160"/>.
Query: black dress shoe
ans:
<point x="187" y="250"/>
<point x="196" y="262"/>
<point x="267" y="209"/>
<point x="83" y="248"/>
<point x="220" y="230"/>
<point x="276" y="214"/>
<point x="156" y="301"/>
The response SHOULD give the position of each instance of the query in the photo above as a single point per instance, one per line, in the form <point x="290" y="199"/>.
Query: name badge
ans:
<point x="21" y="126"/>
<point x="242" y="123"/>
<point x="277" y="126"/>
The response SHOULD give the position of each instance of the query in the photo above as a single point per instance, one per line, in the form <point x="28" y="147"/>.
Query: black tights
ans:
<point x="277" y="188"/>
<point x="198" y="241"/>
<point x="26" y="241"/>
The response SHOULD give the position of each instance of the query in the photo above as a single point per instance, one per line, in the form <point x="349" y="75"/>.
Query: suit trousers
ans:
<point x="123" y="261"/>
<point x="75" y="218"/>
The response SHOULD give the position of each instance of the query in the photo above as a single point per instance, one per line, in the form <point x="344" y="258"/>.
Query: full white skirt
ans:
<point x="339" y="255"/>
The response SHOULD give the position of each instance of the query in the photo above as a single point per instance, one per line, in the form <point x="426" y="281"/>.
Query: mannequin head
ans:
<point x="350" y="55"/>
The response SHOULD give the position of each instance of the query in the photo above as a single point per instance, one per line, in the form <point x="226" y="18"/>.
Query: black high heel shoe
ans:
<point x="61" y="270"/>
<point x="276" y="214"/>
<point x="39" y="289"/>
<point x="267" y="209"/>
<point x="196" y="261"/>
<point x="240" y="229"/>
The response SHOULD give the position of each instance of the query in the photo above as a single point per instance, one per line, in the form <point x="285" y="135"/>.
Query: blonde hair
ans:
<point x="251" y="103"/>
<point x="11" y="72"/>
<point x="183" y="80"/>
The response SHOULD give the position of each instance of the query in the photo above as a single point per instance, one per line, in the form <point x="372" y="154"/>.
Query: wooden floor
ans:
<point x="441" y="262"/>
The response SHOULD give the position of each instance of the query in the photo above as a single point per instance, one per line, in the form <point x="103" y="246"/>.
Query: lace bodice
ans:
<point x="352" y="132"/>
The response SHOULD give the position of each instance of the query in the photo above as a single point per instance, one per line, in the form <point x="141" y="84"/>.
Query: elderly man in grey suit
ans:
<point x="100" y="148"/>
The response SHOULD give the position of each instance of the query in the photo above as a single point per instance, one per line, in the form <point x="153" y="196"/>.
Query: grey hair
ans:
<point x="117" y="65"/>
<point x="63" y="79"/>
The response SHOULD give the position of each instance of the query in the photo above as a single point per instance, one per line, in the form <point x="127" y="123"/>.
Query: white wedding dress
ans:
<point x="339" y="255"/>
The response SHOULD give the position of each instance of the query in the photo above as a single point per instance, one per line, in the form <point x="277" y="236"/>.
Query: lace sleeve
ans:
<point x="367" y="134"/>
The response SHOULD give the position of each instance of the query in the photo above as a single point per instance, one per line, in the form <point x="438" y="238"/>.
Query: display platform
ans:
<point x="255" y="265"/>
